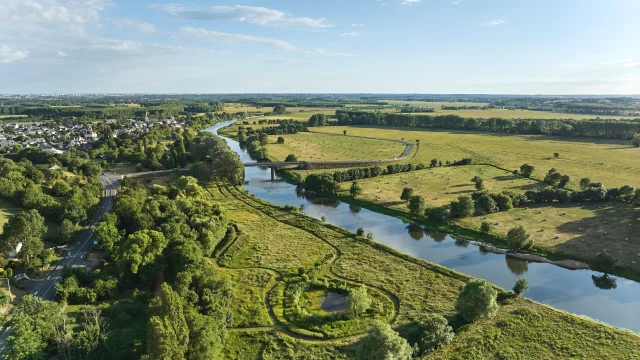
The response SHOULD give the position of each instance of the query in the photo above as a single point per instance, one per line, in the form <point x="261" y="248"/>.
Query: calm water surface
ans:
<point x="612" y="300"/>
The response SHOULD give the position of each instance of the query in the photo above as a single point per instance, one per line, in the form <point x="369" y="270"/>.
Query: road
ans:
<point x="45" y="288"/>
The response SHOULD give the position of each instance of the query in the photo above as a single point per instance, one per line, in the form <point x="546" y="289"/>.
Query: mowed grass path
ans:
<point x="324" y="147"/>
<point x="522" y="329"/>
<point x="614" y="163"/>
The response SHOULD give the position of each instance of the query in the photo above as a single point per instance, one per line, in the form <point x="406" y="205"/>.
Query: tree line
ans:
<point x="611" y="129"/>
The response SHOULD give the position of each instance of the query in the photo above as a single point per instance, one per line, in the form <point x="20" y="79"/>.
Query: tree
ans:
<point x="556" y="155"/>
<point x="486" y="203"/>
<point x="521" y="286"/>
<point x="168" y="333"/>
<point x="407" y="193"/>
<point x="355" y="190"/>
<point x="416" y="204"/>
<point x="430" y="333"/>
<point x="564" y="181"/>
<point x="263" y="139"/>
<point x="635" y="141"/>
<point x="67" y="229"/>
<point x="437" y="214"/>
<point x="585" y="183"/>
<point x="27" y="228"/>
<point x="477" y="299"/>
<point x="553" y="177"/>
<point x="32" y="328"/>
<point x="486" y="227"/>
<point x="606" y="262"/>
<point x="463" y="207"/>
<point x="291" y="158"/>
<point x="141" y="248"/>
<point x="279" y="109"/>
<point x="480" y="184"/>
<point x="280" y="140"/>
<point x="358" y="302"/>
<point x="317" y="120"/>
<point x="526" y="170"/>
<point x="383" y="343"/>
<point x="60" y="188"/>
<point x="518" y="238"/>
<point x="433" y="163"/>
<point x="107" y="234"/>
<point x="360" y="231"/>
<point x="344" y="132"/>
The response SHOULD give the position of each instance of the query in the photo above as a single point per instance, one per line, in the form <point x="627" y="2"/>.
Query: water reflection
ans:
<point x="415" y="231"/>
<point x="516" y="266"/>
<point x="604" y="282"/>
<point x="354" y="208"/>
<point x="462" y="243"/>
<point x="435" y="235"/>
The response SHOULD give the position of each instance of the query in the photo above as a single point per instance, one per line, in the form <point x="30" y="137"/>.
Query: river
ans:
<point x="574" y="291"/>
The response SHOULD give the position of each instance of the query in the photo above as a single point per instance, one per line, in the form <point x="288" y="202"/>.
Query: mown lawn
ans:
<point x="521" y="329"/>
<point x="323" y="147"/>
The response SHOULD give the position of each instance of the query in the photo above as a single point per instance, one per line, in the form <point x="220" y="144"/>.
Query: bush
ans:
<point x="430" y="333"/>
<point x="416" y="204"/>
<point x="635" y="141"/>
<point x="521" y="286"/>
<point x="383" y="343"/>
<point x="486" y="203"/>
<point x="360" y="231"/>
<point x="476" y="300"/>
<point x="437" y="214"/>
<point x="280" y="140"/>
<point x="407" y="193"/>
<point x="358" y="302"/>
<point x="480" y="184"/>
<point x="486" y="227"/>
<point x="526" y="170"/>
<point x="504" y="202"/>
<point x="518" y="238"/>
<point x="291" y="158"/>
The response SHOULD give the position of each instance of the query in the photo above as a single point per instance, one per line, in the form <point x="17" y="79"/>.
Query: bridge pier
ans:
<point x="273" y="173"/>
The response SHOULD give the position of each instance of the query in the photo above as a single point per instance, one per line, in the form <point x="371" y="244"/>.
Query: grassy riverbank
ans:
<point x="326" y="251"/>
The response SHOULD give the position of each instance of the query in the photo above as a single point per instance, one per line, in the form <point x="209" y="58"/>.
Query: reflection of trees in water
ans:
<point x="604" y="282"/>
<point x="483" y="251"/>
<point x="516" y="266"/>
<point x="415" y="231"/>
<point x="462" y="243"/>
<point x="299" y="192"/>
<point x="323" y="201"/>
<point x="354" y="208"/>
<point x="436" y="235"/>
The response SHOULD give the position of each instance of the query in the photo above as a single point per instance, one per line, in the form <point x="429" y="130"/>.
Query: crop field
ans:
<point x="414" y="286"/>
<point x="323" y="147"/>
<point x="612" y="162"/>
<point x="499" y="113"/>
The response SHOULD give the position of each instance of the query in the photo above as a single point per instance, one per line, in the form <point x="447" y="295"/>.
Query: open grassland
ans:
<point x="237" y="107"/>
<point x="7" y="209"/>
<point x="324" y="147"/>
<point x="300" y="114"/>
<point x="498" y="113"/>
<point x="12" y="116"/>
<point x="612" y="162"/>
<point x="521" y="329"/>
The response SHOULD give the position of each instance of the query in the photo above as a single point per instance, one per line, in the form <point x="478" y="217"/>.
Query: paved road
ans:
<point x="45" y="288"/>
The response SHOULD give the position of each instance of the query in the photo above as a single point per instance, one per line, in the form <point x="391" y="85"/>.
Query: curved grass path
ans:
<point x="326" y="270"/>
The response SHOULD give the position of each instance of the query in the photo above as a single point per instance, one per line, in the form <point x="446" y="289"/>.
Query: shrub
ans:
<point x="480" y="184"/>
<point x="521" y="286"/>
<point x="437" y="214"/>
<point x="416" y="204"/>
<point x="503" y="201"/>
<point x="526" y="170"/>
<point x="383" y="343"/>
<point x="280" y="140"/>
<point x="518" y="238"/>
<point x="486" y="227"/>
<point x="360" y="231"/>
<point x="355" y="190"/>
<point x="430" y="333"/>
<point x="486" y="203"/>
<point x="358" y="302"/>
<point x="635" y="141"/>
<point x="476" y="300"/>
<point x="291" y="158"/>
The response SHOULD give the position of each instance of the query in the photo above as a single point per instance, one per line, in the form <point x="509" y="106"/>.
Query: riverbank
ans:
<point x="536" y="253"/>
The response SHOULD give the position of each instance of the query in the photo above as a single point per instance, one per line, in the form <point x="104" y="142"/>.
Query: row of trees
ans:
<point x="611" y="129"/>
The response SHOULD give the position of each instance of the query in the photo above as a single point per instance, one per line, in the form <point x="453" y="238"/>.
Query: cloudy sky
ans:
<point x="337" y="46"/>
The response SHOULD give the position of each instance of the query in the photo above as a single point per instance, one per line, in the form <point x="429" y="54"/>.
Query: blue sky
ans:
<point x="337" y="46"/>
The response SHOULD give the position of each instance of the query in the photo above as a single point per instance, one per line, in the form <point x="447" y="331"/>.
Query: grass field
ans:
<point x="323" y="147"/>
<point x="521" y="329"/>
<point x="614" y="163"/>
<point x="499" y="113"/>
<point x="236" y="107"/>
<point x="7" y="210"/>
<point x="301" y="114"/>
<point x="12" y="116"/>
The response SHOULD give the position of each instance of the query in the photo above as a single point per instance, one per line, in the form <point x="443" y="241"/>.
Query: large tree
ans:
<point x="358" y="302"/>
<point x="431" y="332"/>
<point x="477" y="299"/>
<point x="383" y="343"/>
<point x="168" y="332"/>
<point x="518" y="238"/>
<point x="141" y="248"/>
<point x="26" y="228"/>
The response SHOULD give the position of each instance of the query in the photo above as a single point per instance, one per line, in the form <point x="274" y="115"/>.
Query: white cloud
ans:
<point x="409" y="2"/>
<point x="252" y="14"/>
<point x="65" y="13"/>
<point x="141" y="27"/>
<point x="9" y="54"/>
<point x="495" y="22"/>
<point x="231" y="39"/>
<point x="323" y="52"/>
<point x="457" y="2"/>
<point x="351" y="34"/>
<point x="357" y="25"/>
<point x="61" y="53"/>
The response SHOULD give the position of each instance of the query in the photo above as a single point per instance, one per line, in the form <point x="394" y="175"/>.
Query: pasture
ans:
<point x="418" y="286"/>
<point x="324" y="147"/>
<point x="613" y="162"/>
